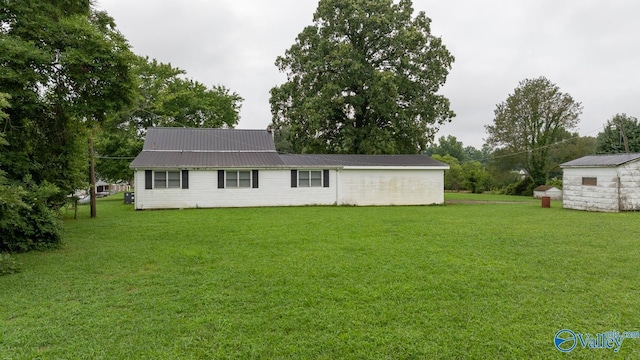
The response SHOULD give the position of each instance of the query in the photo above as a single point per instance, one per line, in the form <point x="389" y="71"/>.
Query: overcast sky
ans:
<point x="589" y="48"/>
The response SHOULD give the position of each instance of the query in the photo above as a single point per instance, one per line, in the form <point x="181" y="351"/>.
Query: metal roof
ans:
<point x="359" y="160"/>
<point x="188" y="139"/>
<point x="606" y="160"/>
<point x="190" y="159"/>
<point x="210" y="148"/>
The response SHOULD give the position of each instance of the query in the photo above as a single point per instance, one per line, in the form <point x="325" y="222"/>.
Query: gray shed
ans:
<point x="609" y="183"/>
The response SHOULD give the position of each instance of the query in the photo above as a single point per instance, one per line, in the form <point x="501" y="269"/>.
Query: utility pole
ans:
<point x="624" y="137"/>
<point x="92" y="177"/>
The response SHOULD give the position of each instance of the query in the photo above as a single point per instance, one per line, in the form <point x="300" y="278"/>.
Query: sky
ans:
<point x="589" y="48"/>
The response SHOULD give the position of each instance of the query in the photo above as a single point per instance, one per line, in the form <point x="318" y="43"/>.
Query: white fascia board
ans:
<point x="446" y="167"/>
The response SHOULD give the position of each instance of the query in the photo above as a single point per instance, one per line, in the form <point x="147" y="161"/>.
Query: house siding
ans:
<point x="274" y="189"/>
<point x="390" y="187"/>
<point x="346" y="187"/>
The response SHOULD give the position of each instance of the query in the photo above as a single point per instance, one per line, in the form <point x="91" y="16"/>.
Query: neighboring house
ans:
<point x="104" y="188"/>
<point x="549" y="191"/>
<point x="193" y="168"/>
<point x="608" y="183"/>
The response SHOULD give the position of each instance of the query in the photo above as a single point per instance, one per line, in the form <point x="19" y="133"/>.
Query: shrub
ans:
<point x="555" y="182"/>
<point x="29" y="218"/>
<point x="522" y="187"/>
<point x="8" y="266"/>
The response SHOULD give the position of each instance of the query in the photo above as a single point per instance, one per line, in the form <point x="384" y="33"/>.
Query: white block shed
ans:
<point x="608" y="183"/>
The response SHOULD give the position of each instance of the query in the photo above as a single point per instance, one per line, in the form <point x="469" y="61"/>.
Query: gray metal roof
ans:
<point x="359" y="160"/>
<point x="607" y="160"/>
<point x="188" y="139"/>
<point x="190" y="159"/>
<point x="210" y="148"/>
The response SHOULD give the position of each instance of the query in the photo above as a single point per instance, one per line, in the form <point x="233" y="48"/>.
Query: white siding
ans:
<point x="346" y="187"/>
<point x="602" y="197"/>
<point x="274" y="190"/>
<point x="390" y="187"/>
<point x="629" y="175"/>
<point x="618" y="188"/>
<point x="554" y="194"/>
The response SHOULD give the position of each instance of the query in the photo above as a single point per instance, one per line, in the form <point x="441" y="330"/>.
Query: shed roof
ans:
<point x="606" y="160"/>
<point x="545" y="188"/>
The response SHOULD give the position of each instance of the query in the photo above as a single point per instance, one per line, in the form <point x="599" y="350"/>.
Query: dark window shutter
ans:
<point x="325" y="178"/>
<point x="254" y="175"/>
<point x="220" y="179"/>
<point x="294" y="178"/>
<point x="148" y="179"/>
<point x="185" y="179"/>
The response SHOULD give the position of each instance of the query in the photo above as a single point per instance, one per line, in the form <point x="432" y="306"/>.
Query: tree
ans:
<point x="66" y="68"/>
<point x="571" y="146"/>
<point x="163" y="98"/>
<point x="448" y="146"/>
<point x="363" y="79"/>
<point x="453" y="178"/>
<point x="530" y="121"/>
<point x="482" y="156"/>
<point x="621" y="134"/>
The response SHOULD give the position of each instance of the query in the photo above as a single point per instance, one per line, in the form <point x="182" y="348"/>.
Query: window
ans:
<point x="167" y="179"/>
<point x="237" y="179"/>
<point x="310" y="178"/>
<point x="590" y="181"/>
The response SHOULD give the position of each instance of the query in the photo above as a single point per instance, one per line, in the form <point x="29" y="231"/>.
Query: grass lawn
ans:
<point x="466" y="280"/>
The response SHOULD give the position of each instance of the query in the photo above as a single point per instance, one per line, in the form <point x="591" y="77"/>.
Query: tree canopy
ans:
<point x="363" y="79"/>
<point x="621" y="134"/>
<point x="66" y="67"/>
<point x="163" y="97"/>
<point x="529" y="122"/>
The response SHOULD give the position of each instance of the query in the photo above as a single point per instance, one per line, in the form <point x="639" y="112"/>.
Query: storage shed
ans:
<point x="609" y="183"/>
<point x="549" y="191"/>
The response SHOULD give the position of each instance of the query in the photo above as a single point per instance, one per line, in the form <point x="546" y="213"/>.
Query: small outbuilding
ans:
<point x="547" y="191"/>
<point x="608" y="183"/>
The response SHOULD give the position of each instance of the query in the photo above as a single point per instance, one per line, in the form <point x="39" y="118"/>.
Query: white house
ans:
<point x="608" y="183"/>
<point x="549" y="191"/>
<point x="202" y="168"/>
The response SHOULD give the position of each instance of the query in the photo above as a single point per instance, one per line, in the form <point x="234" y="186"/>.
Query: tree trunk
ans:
<point x="92" y="178"/>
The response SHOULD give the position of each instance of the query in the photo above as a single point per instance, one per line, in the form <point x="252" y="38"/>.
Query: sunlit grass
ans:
<point x="454" y="281"/>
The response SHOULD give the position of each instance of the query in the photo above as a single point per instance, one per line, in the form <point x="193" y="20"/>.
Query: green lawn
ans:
<point x="481" y="281"/>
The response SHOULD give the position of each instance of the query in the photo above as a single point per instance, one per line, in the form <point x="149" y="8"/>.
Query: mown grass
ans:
<point x="455" y="281"/>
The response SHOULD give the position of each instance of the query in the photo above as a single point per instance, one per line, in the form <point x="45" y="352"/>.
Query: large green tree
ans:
<point x="163" y="97"/>
<point x="66" y="68"/>
<point x="621" y="134"/>
<point x="529" y="122"/>
<point x="448" y="146"/>
<point x="363" y="79"/>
